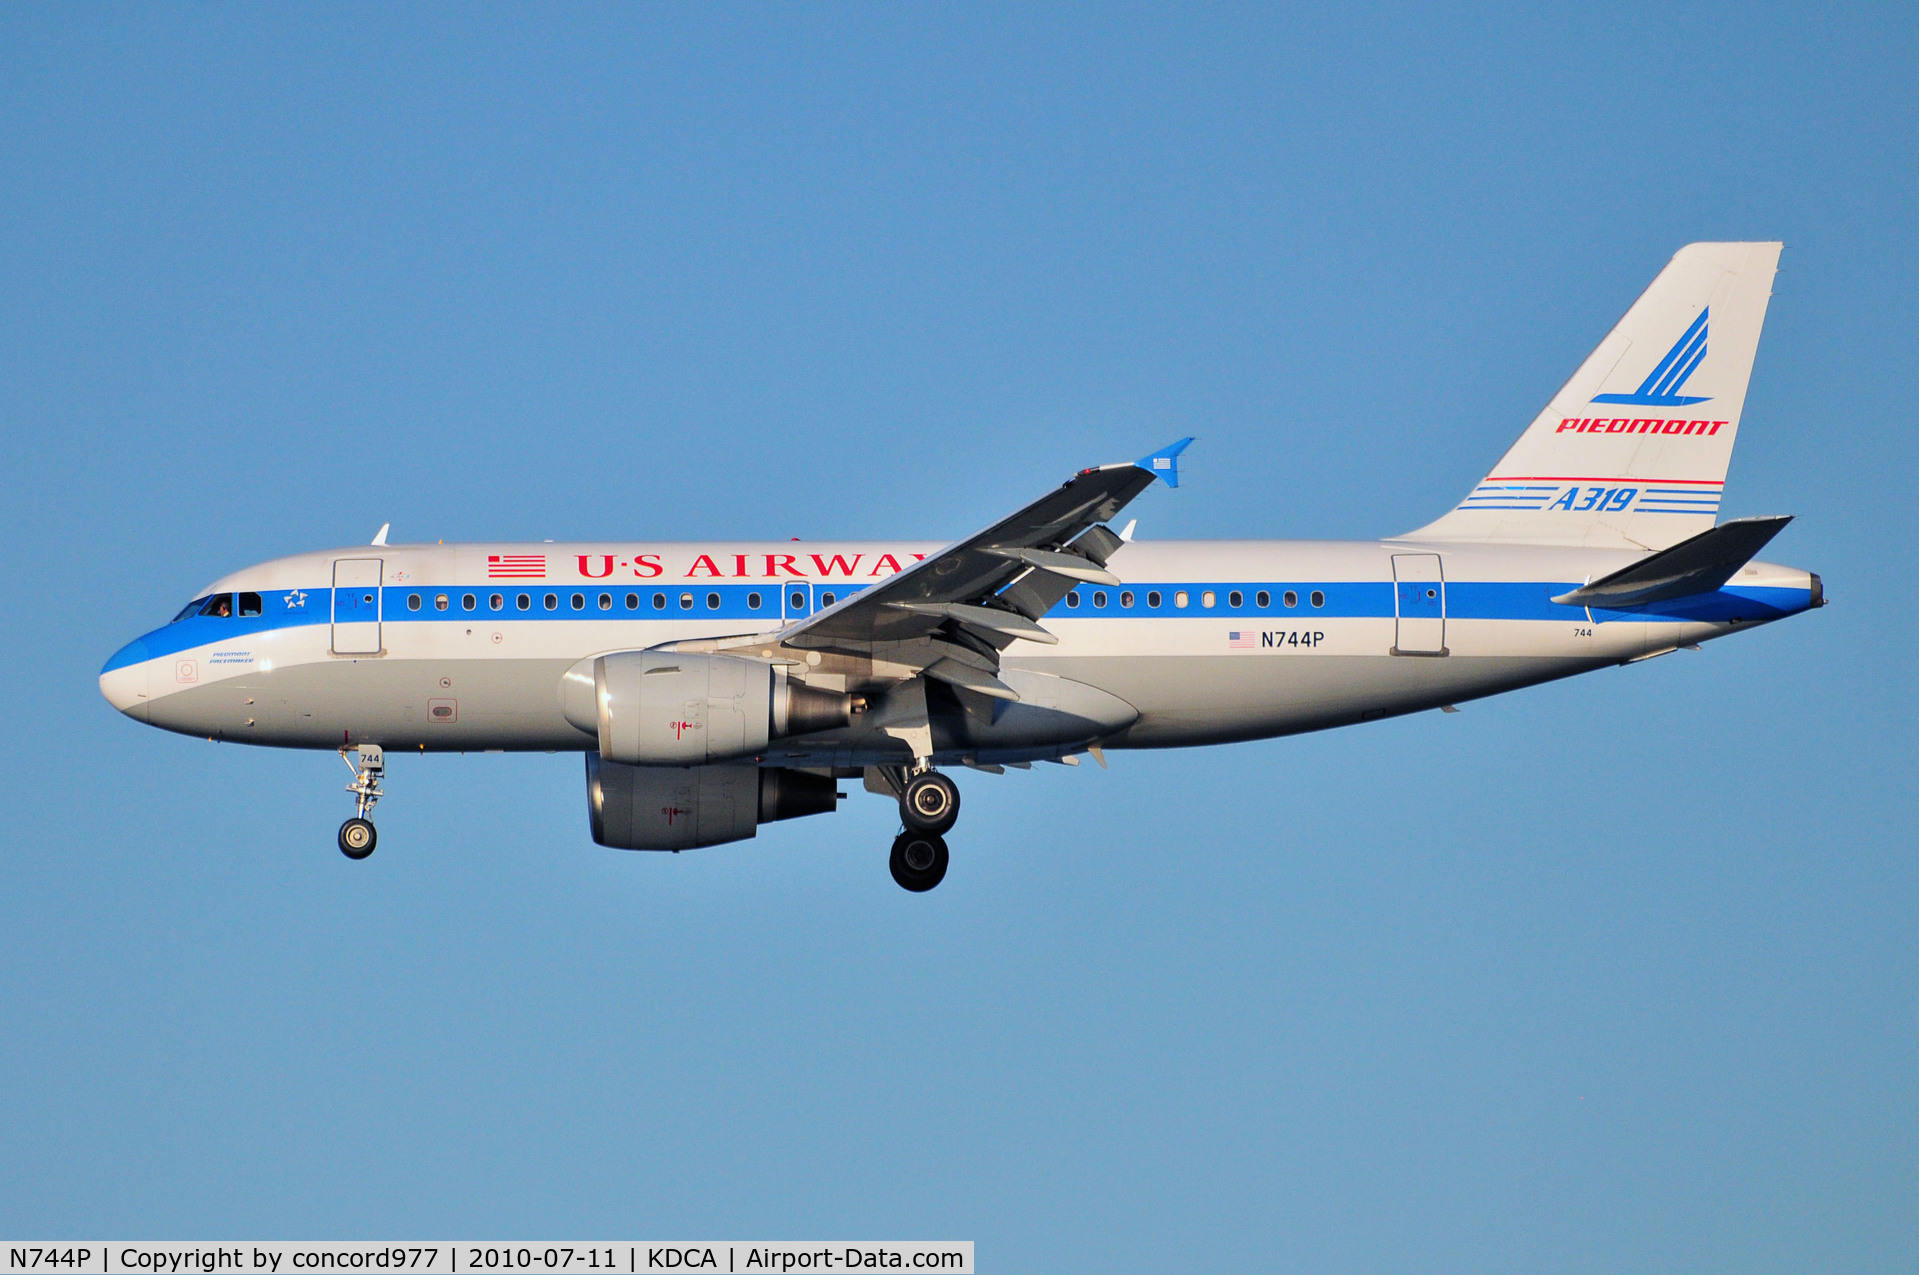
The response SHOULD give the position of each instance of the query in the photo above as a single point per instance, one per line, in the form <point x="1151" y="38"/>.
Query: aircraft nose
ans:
<point x="124" y="680"/>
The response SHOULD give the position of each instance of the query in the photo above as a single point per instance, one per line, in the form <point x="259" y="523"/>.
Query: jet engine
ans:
<point x="683" y="807"/>
<point x="664" y="708"/>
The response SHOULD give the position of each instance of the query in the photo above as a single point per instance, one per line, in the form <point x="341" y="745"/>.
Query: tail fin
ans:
<point x="1632" y="451"/>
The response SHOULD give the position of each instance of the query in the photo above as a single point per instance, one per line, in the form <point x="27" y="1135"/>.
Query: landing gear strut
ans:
<point x="357" y="835"/>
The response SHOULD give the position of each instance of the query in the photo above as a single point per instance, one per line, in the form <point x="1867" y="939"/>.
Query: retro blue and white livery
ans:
<point x="717" y="686"/>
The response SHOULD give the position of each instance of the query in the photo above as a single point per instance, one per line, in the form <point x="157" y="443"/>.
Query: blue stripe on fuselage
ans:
<point x="1364" y="599"/>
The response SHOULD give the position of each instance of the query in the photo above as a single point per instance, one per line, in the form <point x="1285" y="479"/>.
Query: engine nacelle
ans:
<point x="663" y="708"/>
<point x="683" y="807"/>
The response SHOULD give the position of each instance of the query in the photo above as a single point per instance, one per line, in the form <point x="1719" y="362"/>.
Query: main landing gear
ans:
<point x="358" y="837"/>
<point x="929" y="806"/>
<point x="918" y="861"/>
<point x="929" y="803"/>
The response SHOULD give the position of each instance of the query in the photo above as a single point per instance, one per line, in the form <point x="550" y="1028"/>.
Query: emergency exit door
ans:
<point x="356" y="606"/>
<point x="1419" y="604"/>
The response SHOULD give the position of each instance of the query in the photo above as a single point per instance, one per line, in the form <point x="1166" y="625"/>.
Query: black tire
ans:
<point x="357" y="838"/>
<point x="918" y="861"/>
<point x="930" y="803"/>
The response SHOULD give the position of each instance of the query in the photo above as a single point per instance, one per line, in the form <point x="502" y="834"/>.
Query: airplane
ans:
<point x="716" y="686"/>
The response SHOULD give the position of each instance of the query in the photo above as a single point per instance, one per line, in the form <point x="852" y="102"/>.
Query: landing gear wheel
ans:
<point x="930" y="803"/>
<point x="918" y="861"/>
<point x="357" y="838"/>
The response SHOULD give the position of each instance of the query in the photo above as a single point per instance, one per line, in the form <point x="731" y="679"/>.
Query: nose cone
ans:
<point x="124" y="680"/>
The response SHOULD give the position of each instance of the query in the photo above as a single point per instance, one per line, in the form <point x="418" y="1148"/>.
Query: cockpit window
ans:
<point x="250" y="604"/>
<point x="220" y="606"/>
<point x="191" y="608"/>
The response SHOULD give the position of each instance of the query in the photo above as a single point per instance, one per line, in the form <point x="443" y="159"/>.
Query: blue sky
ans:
<point x="1616" y="973"/>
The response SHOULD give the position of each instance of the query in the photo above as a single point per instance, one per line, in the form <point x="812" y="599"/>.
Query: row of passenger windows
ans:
<point x="551" y="602"/>
<point x="221" y="606"/>
<point x="1207" y="598"/>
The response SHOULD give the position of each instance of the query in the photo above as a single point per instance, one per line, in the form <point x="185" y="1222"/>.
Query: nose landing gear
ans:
<point x="357" y="838"/>
<point x="357" y="835"/>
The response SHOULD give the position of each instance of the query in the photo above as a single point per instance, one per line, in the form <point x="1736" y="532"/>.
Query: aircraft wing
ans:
<point x="981" y="594"/>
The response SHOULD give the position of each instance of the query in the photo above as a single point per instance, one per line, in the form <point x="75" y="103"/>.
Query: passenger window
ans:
<point x="439" y="602"/>
<point x="1319" y="599"/>
<point x="686" y="602"/>
<point x="1152" y="598"/>
<point x="496" y="602"/>
<point x="1072" y="599"/>
<point x="712" y="601"/>
<point x="1235" y="599"/>
<point x="827" y="599"/>
<point x="413" y="602"/>
<point x="250" y="604"/>
<point x="579" y="602"/>
<point x="466" y="602"/>
<point x="632" y="601"/>
<point x="659" y="602"/>
<point x="606" y="602"/>
<point x="1207" y="598"/>
<point x="1099" y="597"/>
<point x="525" y="602"/>
<point x="1126" y="598"/>
<point x="753" y="601"/>
<point x="798" y="601"/>
<point x="552" y="601"/>
<point x="1292" y="599"/>
<point x="1263" y="599"/>
<point x="1179" y="598"/>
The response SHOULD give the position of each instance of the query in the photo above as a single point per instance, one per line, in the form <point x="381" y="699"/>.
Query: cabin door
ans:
<point x="1419" y="604"/>
<point x="356" y="606"/>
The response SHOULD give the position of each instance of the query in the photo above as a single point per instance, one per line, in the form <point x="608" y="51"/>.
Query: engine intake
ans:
<point x="684" y="807"/>
<point x="663" y="708"/>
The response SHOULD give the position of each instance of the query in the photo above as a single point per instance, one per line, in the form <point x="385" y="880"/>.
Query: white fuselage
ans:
<point x="463" y="647"/>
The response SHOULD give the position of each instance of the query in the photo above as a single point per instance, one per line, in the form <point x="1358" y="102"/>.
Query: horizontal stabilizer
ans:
<point x="1699" y="565"/>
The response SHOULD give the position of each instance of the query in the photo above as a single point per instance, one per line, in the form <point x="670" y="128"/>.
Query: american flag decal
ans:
<point x="515" y="566"/>
<point x="1241" y="641"/>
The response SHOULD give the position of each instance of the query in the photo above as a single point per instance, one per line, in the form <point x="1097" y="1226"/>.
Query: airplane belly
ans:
<point x="1288" y="680"/>
<point x="439" y="705"/>
<point x="1213" y="699"/>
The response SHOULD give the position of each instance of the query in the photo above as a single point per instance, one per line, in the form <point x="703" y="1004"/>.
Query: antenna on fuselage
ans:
<point x="380" y="539"/>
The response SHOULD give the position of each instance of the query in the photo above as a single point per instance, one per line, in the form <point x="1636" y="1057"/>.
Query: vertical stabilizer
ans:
<point x="1632" y="452"/>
